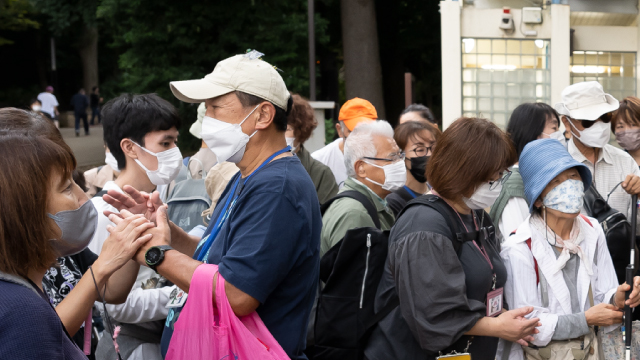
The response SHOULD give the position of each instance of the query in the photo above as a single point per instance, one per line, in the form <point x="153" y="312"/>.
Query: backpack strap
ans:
<point x="586" y="219"/>
<point x="535" y="262"/>
<point x="439" y="205"/>
<point x="361" y="198"/>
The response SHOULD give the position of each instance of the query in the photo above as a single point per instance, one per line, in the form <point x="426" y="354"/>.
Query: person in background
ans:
<point x="56" y="209"/>
<point x="416" y="139"/>
<point x="300" y="125"/>
<point x="352" y="113"/>
<point x="442" y="283"/>
<point x="97" y="177"/>
<point x="417" y="112"/>
<point x="375" y="165"/>
<point x="142" y="133"/>
<point x="95" y="101"/>
<point x="50" y="105"/>
<point x="79" y="102"/>
<point x="528" y="122"/>
<point x="558" y="261"/>
<point x="625" y="122"/>
<point x="36" y="106"/>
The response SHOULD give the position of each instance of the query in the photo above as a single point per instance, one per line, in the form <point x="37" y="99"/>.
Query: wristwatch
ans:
<point x="155" y="255"/>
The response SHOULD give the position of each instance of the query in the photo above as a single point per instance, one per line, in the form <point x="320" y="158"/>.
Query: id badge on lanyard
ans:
<point x="495" y="297"/>
<point x="454" y="355"/>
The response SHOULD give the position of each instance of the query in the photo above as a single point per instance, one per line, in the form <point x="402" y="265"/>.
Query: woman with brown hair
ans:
<point x="625" y="123"/>
<point x="416" y="139"/>
<point x="300" y="125"/>
<point x="444" y="269"/>
<point x="45" y="215"/>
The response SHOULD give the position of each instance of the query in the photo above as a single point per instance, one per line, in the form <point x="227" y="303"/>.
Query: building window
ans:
<point x="615" y="71"/>
<point x="498" y="75"/>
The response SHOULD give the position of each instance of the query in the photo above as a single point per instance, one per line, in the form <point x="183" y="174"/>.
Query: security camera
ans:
<point x="507" y="19"/>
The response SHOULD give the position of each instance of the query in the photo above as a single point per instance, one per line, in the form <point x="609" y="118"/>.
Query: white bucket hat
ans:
<point x="196" y="127"/>
<point x="246" y="73"/>
<point x="586" y="101"/>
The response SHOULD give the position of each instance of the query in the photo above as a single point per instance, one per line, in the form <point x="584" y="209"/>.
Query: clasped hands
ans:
<point x="134" y="204"/>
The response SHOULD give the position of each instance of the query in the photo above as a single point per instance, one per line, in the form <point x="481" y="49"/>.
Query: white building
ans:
<point x="488" y="71"/>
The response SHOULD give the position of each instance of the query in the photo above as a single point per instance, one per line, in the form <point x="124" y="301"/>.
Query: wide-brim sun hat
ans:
<point x="196" y="127"/>
<point x="586" y="101"/>
<point x="247" y="73"/>
<point x="541" y="161"/>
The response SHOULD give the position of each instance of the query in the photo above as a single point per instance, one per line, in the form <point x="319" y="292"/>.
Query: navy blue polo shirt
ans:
<point x="269" y="248"/>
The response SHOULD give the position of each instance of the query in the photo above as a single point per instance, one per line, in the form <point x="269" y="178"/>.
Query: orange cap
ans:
<point x="356" y="111"/>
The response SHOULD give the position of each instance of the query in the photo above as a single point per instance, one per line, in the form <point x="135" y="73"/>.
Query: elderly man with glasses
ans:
<point x="375" y="168"/>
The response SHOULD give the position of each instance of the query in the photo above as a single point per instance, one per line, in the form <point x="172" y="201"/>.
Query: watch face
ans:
<point x="153" y="256"/>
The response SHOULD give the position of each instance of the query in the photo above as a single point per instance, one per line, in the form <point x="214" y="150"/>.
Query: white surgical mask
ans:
<point x="483" y="197"/>
<point x="566" y="197"/>
<point x="110" y="160"/>
<point x="395" y="175"/>
<point x="558" y="135"/>
<point x="36" y="108"/>
<point x="596" y="136"/>
<point x="169" y="165"/>
<point x="290" y="141"/>
<point x="227" y="141"/>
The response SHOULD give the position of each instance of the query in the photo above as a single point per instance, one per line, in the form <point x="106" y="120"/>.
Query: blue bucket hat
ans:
<point x="541" y="161"/>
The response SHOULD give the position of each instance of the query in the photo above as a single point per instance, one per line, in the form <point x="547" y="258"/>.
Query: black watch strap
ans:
<point x="163" y="249"/>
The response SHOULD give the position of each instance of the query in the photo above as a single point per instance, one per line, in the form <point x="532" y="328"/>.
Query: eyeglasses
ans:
<point x="605" y="118"/>
<point x="393" y="158"/>
<point x="422" y="151"/>
<point x="494" y="184"/>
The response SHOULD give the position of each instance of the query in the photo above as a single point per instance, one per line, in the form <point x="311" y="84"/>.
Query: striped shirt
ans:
<point x="612" y="167"/>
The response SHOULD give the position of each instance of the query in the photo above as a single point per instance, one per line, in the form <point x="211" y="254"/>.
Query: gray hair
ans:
<point x="359" y="143"/>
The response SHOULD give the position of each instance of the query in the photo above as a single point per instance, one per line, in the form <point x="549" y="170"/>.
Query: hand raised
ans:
<point x="134" y="201"/>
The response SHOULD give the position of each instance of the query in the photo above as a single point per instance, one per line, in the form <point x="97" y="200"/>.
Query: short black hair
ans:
<point x="527" y="123"/>
<point x="34" y="101"/>
<point x="94" y="88"/>
<point x="134" y="116"/>
<point x="424" y="112"/>
<point x="280" y="118"/>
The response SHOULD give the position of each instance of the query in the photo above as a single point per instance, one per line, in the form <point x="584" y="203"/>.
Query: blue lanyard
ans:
<point x="226" y="210"/>
<point x="414" y="195"/>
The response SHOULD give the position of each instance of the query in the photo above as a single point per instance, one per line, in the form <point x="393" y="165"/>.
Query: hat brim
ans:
<point x="197" y="91"/>
<point x="591" y="112"/>
<point x="351" y="123"/>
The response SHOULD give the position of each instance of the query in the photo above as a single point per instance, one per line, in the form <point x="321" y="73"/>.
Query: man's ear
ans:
<point x="537" y="203"/>
<point x="339" y="130"/>
<point x="565" y="122"/>
<point x="128" y="148"/>
<point x="360" y="169"/>
<point x="266" y="112"/>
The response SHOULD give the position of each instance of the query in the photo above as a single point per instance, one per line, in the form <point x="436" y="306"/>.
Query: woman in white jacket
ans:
<point x="557" y="260"/>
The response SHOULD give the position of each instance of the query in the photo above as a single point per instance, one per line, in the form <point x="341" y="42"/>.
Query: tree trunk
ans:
<point x="88" y="49"/>
<point x="362" y="72"/>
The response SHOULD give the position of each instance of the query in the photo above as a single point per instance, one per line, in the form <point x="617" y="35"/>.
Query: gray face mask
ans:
<point x="78" y="227"/>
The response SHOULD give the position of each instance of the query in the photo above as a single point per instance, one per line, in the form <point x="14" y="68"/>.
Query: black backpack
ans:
<point x="351" y="271"/>
<point x="616" y="229"/>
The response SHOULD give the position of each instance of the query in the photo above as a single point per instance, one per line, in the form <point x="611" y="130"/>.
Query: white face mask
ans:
<point x="483" y="197"/>
<point x="110" y="160"/>
<point x="290" y="141"/>
<point x="395" y="175"/>
<point x="558" y="135"/>
<point x="36" y="108"/>
<point x="566" y="197"/>
<point x="596" y="136"/>
<point x="169" y="165"/>
<point x="227" y="141"/>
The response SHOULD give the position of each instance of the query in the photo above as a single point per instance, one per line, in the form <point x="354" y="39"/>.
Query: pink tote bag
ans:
<point x="206" y="333"/>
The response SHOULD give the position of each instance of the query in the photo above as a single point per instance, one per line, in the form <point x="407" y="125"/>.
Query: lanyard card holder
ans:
<point x="454" y="355"/>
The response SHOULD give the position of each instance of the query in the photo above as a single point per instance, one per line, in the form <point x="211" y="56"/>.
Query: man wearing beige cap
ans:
<point x="586" y="113"/>
<point x="267" y="223"/>
<point x="352" y="113"/>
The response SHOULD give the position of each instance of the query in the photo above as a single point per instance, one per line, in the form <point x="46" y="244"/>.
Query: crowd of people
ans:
<point x="472" y="241"/>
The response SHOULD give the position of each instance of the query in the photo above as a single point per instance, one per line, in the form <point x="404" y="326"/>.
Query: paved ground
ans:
<point x="89" y="150"/>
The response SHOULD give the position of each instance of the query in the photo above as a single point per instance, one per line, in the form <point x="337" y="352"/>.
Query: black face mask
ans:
<point x="418" y="168"/>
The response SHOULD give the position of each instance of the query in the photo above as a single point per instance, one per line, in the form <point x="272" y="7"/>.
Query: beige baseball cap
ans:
<point x="245" y="73"/>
